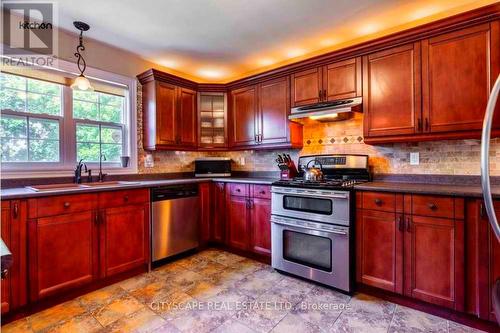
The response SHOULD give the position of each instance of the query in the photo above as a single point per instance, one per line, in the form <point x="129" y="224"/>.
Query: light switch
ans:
<point x="242" y="161"/>
<point x="415" y="158"/>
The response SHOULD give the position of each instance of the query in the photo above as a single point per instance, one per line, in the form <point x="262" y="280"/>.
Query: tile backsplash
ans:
<point x="453" y="157"/>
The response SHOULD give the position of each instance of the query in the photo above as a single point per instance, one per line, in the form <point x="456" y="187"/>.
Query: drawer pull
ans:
<point x="262" y="192"/>
<point x="66" y="204"/>
<point x="378" y="202"/>
<point x="125" y="198"/>
<point x="432" y="206"/>
<point x="401" y="225"/>
<point x="238" y="190"/>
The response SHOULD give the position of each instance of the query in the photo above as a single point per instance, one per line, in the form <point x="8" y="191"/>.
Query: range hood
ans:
<point x="326" y="111"/>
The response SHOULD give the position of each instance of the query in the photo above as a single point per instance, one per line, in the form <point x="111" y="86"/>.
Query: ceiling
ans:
<point x="221" y="40"/>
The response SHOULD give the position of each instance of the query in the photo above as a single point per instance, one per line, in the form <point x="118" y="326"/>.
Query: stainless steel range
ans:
<point x="311" y="220"/>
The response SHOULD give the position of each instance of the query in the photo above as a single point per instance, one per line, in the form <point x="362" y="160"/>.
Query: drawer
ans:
<point x="64" y="204"/>
<point x="379" y="201"/>
<point x="429" y="205"/>
<point x="262" y="191"/>
<point x="240" y="190"/>
<point x="123" y="197"/>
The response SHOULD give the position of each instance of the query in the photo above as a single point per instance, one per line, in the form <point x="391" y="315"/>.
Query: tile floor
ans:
<point x="216" y="291"/>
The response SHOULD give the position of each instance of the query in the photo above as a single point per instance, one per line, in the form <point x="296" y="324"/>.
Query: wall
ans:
<point x="454" y="157"/>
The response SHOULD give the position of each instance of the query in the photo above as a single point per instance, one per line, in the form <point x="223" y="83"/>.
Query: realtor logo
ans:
<point x="28" y="28"/>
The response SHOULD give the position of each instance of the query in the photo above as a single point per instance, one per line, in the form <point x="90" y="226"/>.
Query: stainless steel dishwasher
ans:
<point x="175" y="219"/>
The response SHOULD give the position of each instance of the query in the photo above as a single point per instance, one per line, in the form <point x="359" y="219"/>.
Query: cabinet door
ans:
<point x="188" y="118"/>
<point x="218" y="226"/>
<point x="456" y="70"/>
<point x="261" y="226"/>
<point x="166" y="118"/>
<point x="391" y="91"/>
<point x="274" y="106"/>
<point x="244" y="116"/>
<point x="62" y="252"/>
<point x="434" y="260"/>
<point x="379" y="250"/>
<point x="306" y="87"/>
<point x="342" y="79"/>
<point x="238" y="222"/>
<point x="206" y="211"/>
<point x="124" y="238"/>
<point x="6" y="283"/>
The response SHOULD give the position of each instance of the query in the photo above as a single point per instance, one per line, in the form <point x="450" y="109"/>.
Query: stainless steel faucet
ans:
<point x="78" y="171"/>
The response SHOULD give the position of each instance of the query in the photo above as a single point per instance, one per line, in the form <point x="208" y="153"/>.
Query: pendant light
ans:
<point x="81" y="82"/>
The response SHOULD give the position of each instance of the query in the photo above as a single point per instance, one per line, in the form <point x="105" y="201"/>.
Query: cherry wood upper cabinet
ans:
<point x="166" y="113"/>
<point x="434" y="260"/>
<point x="124" y="238"/>
<point x="188" y="118"/>
<point x="379" y="250"/>
<point x="342" y="80"/>
<point x="51" y="239"/>
<point x="244" y="116"/>
<point x="457" y="76"/>
<point x="391" y="93"/>
<point x="335" y="81"/>
<point x="307" y="87"/>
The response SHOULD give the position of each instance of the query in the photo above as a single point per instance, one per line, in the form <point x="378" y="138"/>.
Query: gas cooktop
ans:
<point x="341" y="172"/>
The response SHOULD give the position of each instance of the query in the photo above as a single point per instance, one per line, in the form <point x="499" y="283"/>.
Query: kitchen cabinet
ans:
<point x="218" y="226"/>
<point x="170" y="118"/>
<point x="248" y="218"/>
<point x="75" y="240"/>
<point x="213" y="129"/>
<point x="205" y="190"/>
<point x="483" y="260"/>
<point x="433" y="89"/>
<point x="339" y="80"/>
<point x="260" y="116"/>
<point x="13" y="232"/>
<point x="412" y="245"/>
<point x="391" y="93"/>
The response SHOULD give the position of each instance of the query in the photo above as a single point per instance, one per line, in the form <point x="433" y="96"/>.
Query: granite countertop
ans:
<point x="422" y="188"/>
<point x="23" y="192"/>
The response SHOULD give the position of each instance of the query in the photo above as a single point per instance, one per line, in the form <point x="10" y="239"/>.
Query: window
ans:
<point x="47" y="126"/>
<point x="99" y="127"/>
<point x="31" y="119"/>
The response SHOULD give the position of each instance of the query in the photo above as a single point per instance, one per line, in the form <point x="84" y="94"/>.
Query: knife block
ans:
<point x="289" y="173"/>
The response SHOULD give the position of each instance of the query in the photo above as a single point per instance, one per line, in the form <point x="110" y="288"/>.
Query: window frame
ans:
<point x="67" y="129"/>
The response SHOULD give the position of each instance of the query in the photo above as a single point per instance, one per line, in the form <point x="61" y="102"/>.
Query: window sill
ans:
<point x="62" y="172"/>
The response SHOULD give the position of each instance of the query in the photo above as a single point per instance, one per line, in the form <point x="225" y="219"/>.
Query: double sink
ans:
<point x="72" y="186"/>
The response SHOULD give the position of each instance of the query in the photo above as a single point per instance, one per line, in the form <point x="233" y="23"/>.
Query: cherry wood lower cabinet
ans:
<point x="206" y="195"/>
<point x="248" y="218"/>
<point x="74" y="240"/>
<point x="13" y="286"/>
<point x="218" y="222"/>
<point x="419" y="256"/>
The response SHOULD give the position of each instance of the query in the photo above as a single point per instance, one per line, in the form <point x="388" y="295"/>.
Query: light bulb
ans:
<point x="81" y="83"/>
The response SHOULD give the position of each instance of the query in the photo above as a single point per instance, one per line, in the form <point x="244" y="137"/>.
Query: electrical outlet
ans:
<point x="149" y="161"/>
<point x="242" y="161"/>
<point x="415" y="158"/>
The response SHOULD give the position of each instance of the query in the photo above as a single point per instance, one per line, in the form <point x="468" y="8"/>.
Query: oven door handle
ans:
<point x="312" y="195"/>
<point x="337" y="232"/>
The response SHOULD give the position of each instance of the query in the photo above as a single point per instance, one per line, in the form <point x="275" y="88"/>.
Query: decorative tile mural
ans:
<point x="453" y="157"/>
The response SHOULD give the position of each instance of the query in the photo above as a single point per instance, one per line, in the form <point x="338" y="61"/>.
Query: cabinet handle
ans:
<point x="420" y="125"/>
<point x="15" y="211"/>
<point x="125" y="198"/>
<point x="426" y="124"/>
<point x="408" y="225"/>
<point x="432" y="206"/>
<point x="4" y="273"/>
<point x="378" y="202"/>
<point x="401" y="225"/>
<point x="320" y="94"/>
<point x="481" y="210"/>
<point x="262" y="192"/>
<point x="324" y="94"/>
<point x="238" y="190"/>
<point x="96" y="218"/>
<point x="66" y="204"/>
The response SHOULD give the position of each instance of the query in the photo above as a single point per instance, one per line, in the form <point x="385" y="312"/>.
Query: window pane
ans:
<point x="12" y="99"/>
<point x="44" y="150"/>
<point x="112" y="152"/>
<point x="87" y="133"/>
<point x="46" y="104"/>
<point x="44" y="87"/>
<point x="85" y="110"/>
<point x="110" y="99"/>
<point x="12" y="81"/>
<point x="14" y="150"/>
<point x="111" y="135"/>
<point x="111" y="113"/>
<point x="89" y="152"/>
<point x="43" y="129"/>
<point x="13" y="127"/>
<point x="90" y="96"/>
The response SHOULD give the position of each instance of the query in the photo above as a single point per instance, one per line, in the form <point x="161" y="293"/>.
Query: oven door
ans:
<point x="314" y="205"/>
<point x="316" y="251"/>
